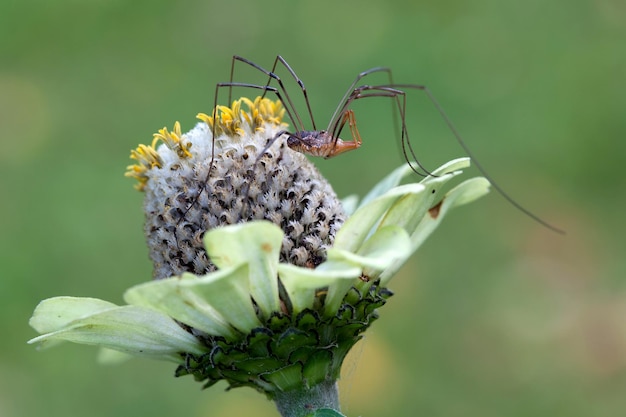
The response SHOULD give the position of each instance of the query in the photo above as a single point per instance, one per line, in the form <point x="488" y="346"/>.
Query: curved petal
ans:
<point x="136" y="330"/>
<point x="217" y="303"/>
<point x="229" y="294"/>
<point x="396" y="176"/>
<point x="413" y="198"/>
<point x="56" y="313"/>
<point x="388" y="245"/>
<point x="359" y="226"/>
<point x="409" y="210"/>
<point x="463" y="193"/>
<point x="256" y="243"/>
<point x="387" y="183"/>
<point x="302" y="283"/>
<point x="449" y="167"/>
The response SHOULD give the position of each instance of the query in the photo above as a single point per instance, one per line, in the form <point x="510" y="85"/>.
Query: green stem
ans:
<point x="299" y="403"/>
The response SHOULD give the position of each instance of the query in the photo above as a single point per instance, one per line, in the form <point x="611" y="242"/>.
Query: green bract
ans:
<point x="256" y="321"/>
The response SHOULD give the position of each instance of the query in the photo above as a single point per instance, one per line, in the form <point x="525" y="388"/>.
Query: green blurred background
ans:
<point x="494" y="316"/>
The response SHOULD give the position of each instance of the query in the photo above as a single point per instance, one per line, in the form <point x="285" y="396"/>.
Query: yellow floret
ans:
<point x="231" y="121"/>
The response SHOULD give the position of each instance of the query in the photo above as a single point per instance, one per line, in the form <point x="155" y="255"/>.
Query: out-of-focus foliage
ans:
<point x="494" y="316"/>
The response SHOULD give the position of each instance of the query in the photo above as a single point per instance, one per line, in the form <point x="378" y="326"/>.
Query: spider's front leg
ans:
<point x="340" y="146"/>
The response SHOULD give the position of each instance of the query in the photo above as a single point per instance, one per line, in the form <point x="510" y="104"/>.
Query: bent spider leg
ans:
<point x="470" y="153"/>
<point x="341" y="107"/>
<point x="338" y="146"/>
<point x="272" y="76"/>
<point x="367" y="91"/>
<point x="300" y="83"/>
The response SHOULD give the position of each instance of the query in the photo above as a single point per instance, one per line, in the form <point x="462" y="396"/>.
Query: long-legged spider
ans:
<point x="327" y="143"/>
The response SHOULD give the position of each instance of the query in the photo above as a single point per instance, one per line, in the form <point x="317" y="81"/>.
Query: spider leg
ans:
<point x="287" y="103"/>
<point x="300" y="83"/>
<point x="343" y="103"/>
<point x="469" y="153"/>
<point x="338" y="146"/>
<point x="366" y="91"/>
<point x="354" y="131"/>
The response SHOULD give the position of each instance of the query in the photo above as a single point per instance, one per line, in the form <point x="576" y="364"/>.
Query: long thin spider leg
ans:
<point x="469" y="153"/>
<point x="390" y="92"/>
<point x="337" y="114"/>
<point x="394" y="116"/>
<point x="404" y="136"/>
<point x="345" y="101"/>
<point x="405" y="141"/>
<point x="356" y="94"/>
<point x="300" y="83"/>
<point x="232" y="74"/>
<point x="252" y="64"/>
<point x="288" y="104"/>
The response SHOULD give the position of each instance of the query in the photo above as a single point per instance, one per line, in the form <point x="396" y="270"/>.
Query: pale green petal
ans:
<point x="55" y="313"/>
<point x="385" y="247"/>
<point x="257" y="244"/>
<point x="166" y="296"/>
<point x="396" y="176"/>
<point x="463" y="193"/>
<point x="358" y="227"/>
<point x="136" y="330"/>
<point x="217" y="303"/>
<point x="448" y="167"/>
<point x="338" y="290"/>
<point x="417" y="198"/>
<point x="301" y="283"/>
<point x="408" y="211"/>
<point x="387" y="183"/>
<point x="389" y="245"/>
<point x="229" y="294"/>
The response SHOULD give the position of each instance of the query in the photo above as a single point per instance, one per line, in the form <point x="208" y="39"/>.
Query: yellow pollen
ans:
<point x="173" y="140"/>
<point x="231" y="121"/>
<point x="147" y="158"/>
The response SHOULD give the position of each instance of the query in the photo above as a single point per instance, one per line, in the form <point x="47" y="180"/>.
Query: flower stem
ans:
<point x="299" y="403"/>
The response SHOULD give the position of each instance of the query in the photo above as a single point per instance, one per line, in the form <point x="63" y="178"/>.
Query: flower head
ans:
<point x="183" y="201"/>
<point x="264" y="278"/>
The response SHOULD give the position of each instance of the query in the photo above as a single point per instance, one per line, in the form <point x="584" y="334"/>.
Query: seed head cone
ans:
<point x="182" y="201"/>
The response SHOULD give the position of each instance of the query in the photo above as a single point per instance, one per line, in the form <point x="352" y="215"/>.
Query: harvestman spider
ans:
<point x="327" y="143"/>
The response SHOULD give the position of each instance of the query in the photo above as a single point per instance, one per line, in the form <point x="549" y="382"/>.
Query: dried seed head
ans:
<point x="281" y="186"/>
